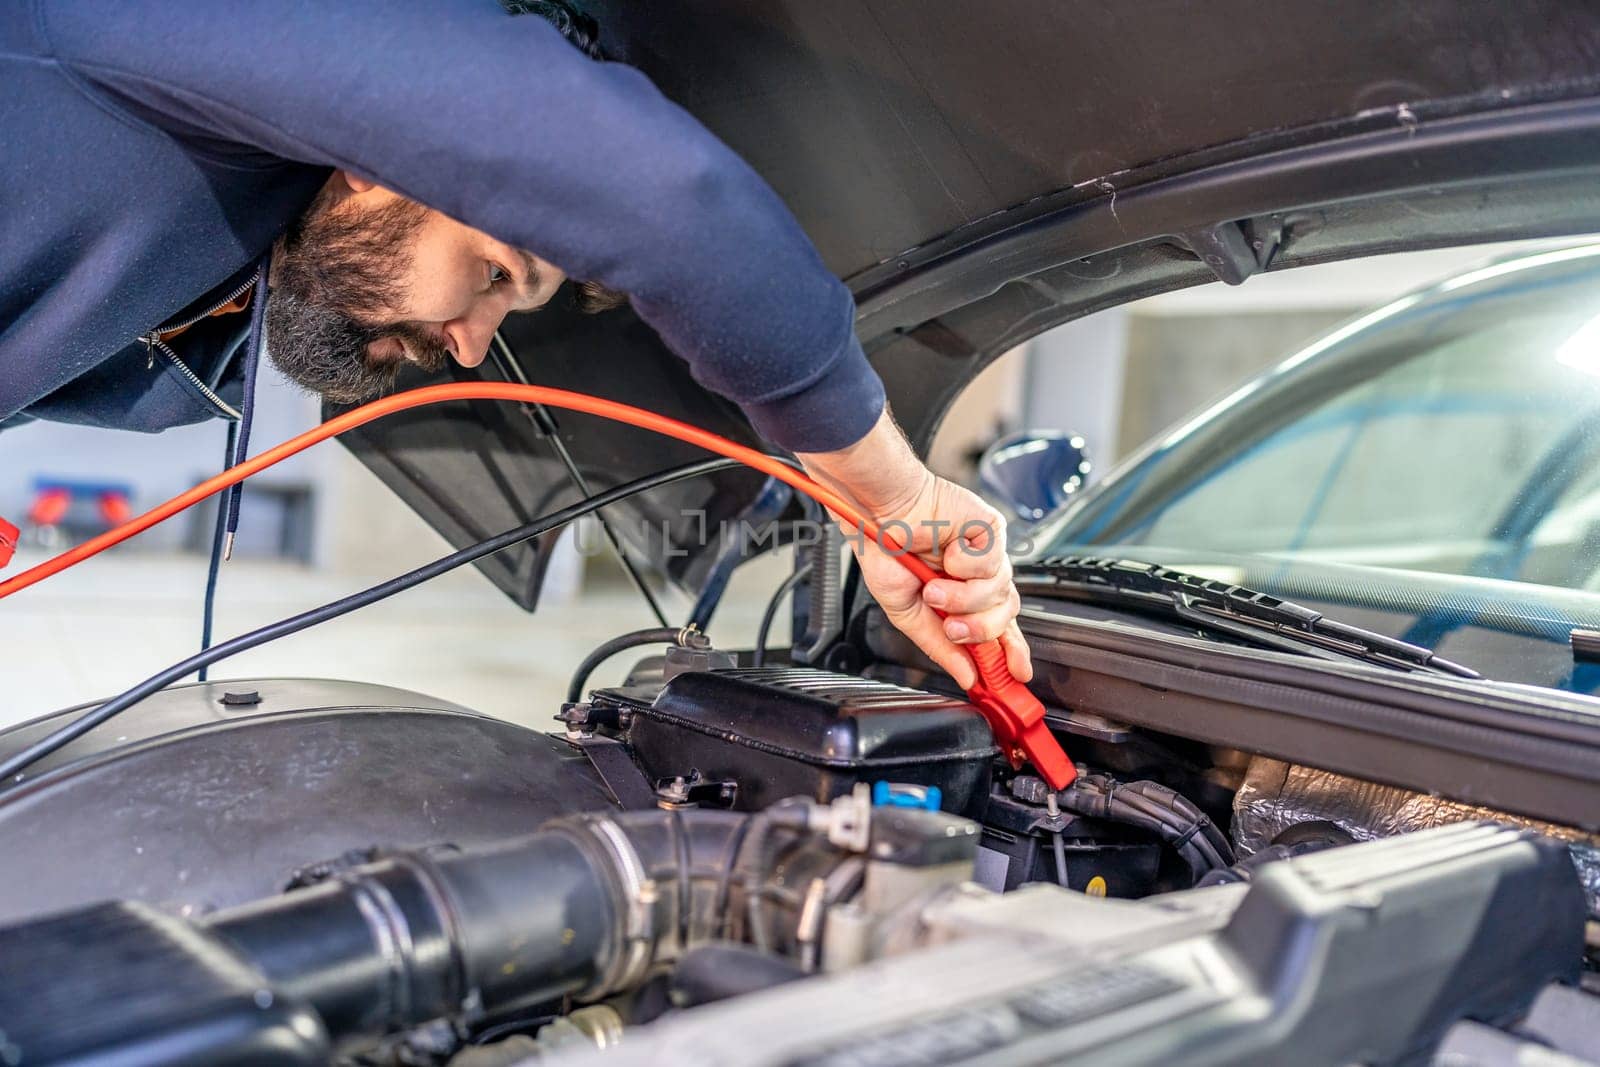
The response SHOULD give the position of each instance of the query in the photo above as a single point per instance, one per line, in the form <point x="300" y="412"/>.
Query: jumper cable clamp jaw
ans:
<point x="1017" y="718"/>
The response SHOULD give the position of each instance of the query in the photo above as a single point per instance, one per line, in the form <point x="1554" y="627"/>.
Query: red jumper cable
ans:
<point x="1014" y="714"/>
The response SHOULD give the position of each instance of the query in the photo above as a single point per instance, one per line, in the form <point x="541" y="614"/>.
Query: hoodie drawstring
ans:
<point x="252" y="360"/>
<point x="237" y="445"/>
<point x="208" y="610"/>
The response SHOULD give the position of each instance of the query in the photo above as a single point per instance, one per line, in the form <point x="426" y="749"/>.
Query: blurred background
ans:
<point x="321" y="525"/>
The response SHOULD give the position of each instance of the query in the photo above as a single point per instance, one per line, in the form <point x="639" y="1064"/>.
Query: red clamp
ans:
<point x="9" y="536"/>
<point x="1017" y="718"/>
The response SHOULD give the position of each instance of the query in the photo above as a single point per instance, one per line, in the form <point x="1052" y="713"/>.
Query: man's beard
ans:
<point x="333" y="274"/>
<point x="325" y="352"/>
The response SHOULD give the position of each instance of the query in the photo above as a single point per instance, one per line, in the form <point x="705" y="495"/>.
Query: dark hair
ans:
<point x="591" y="298"/>
<point x="581" y="30"/>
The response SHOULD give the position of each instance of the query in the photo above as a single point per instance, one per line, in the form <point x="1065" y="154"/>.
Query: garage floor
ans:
<point x="109" y="623"/>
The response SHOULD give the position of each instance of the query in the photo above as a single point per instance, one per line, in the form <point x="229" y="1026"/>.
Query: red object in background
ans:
<point x="8" y="541"/>
<point x="50" y="506"/>
<point x="114" y="508"/>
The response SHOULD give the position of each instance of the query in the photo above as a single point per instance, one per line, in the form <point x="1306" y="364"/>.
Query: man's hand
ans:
<point x="946" y="525"/>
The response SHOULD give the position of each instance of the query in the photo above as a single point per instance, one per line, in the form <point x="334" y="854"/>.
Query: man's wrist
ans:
<point x="880" y="471"/>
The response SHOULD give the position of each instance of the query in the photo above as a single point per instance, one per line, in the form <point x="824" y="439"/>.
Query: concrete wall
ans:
<point x="1177" y="364"/>
<point x="1068" y="379"/>
<point x="1120" y="377"/>
<point x="988" y="408"/>
<point x="1076" y="381"/>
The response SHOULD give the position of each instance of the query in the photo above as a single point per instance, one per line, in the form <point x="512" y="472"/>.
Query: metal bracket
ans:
<point x="693" y="790"/>
<point x="610" y="759"/>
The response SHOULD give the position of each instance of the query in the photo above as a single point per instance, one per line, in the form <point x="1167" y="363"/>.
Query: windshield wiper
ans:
<point x="1249" y="615"/>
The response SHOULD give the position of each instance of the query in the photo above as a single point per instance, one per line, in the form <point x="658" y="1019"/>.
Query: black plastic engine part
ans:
<point x="1312" y="835"/>
<point x="123" y="984"/>
<point x="1156" y="809"/>
<point x="418" y="935"/>
<point x="584" y="907"/>
<point x="795" y="731"/>
<point x="1300" y="839"/>
<point x="1016" y="848"/>
<point x="726" y="969"/>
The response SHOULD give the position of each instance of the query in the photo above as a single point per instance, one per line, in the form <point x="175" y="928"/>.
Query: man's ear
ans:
<point x="356" y="182"/>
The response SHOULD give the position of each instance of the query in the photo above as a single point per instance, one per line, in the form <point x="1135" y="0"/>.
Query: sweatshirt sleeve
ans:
<point x="499" y="122"/>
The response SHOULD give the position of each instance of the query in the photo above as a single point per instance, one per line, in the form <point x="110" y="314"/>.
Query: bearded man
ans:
<point x="364" y="184"/>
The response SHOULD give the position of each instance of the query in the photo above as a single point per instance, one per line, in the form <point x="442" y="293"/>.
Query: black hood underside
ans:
<point x="979" y="173"/>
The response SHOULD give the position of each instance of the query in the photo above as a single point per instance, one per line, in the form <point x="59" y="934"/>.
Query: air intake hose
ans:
<point x="584" y="907"/>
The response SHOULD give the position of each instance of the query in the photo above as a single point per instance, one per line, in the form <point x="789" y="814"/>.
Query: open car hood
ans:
<point x="979" y="173"/>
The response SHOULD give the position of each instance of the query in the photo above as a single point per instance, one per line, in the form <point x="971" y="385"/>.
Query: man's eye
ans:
<point x="498" y="274"/>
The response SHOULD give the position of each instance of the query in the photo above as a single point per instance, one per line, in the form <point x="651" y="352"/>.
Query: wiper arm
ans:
<point x="1218" y="606"/>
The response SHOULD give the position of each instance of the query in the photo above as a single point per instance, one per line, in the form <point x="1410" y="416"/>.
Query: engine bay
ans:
<point x="841" y="863"/>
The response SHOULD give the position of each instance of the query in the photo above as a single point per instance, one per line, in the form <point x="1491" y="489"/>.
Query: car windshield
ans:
<point x="1430" y="470"/>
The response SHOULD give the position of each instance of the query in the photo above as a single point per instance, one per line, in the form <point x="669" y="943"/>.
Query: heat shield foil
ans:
<point x="1276" y="795"/>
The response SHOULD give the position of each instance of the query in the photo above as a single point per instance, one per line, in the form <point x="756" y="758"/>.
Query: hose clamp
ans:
<point x="640" y="895"/>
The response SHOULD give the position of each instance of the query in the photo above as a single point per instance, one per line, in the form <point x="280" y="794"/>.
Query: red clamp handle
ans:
<point x="9" y="536"/>
<point x="1017" y="718"/>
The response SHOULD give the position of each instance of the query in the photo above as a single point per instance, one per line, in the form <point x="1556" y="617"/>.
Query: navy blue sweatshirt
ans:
<point x="151" y="152"/>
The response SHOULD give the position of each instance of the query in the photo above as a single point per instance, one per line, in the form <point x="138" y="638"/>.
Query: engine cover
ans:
<point x="213" y="794"/>
<point x="787" y="731"/>
<point x="1364" y="954"/>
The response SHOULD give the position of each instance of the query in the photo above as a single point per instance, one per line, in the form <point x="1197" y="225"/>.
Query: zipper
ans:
<point x="154" y="342"/>
<point x="173" y="327"/>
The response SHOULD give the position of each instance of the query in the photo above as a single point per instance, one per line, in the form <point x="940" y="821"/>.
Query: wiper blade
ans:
<point x="1219" y="606"/>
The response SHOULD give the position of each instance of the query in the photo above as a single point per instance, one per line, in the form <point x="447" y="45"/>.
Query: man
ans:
<point x="154" y="153"/>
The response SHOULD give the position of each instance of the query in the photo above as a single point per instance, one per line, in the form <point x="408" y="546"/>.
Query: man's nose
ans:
<point x="471" y="336"/>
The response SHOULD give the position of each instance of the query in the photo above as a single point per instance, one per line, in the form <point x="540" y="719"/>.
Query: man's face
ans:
<point x="367" y="281"/>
